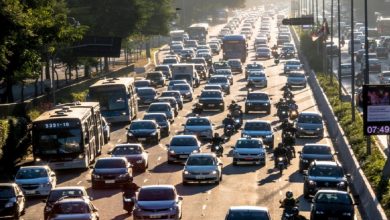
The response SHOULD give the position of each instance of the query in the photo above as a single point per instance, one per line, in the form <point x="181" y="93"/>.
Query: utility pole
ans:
<point x="331" y="43"/>
<point x="367" y="66"/>
<point x="339" y="51"/>
<point x="352" y="64"/>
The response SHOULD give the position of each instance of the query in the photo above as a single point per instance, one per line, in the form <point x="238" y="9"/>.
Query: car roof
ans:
<point x="128" y="144"/>
<point x="325" y="163"/>
<point x="156" y="113"/>
<point x="71" y="200"/>
<point x="212" y="90"/>
<point x="310" y="113"/>
<point x="258" y="121"/>
<point x="184" y="136"/>
<point x="35" y="167"/>
<point x="112" y="158"/>
<point x="248" y="208"/>
<point x="158" y="187"/>
<point x="146" y="88"/>
<point x="160" y="103"/>
<point x="313" y="145"/>
<point x="59" y="188"/>
<point x="142" y="121"/>
<point x="256" y="92"/>
<point x="203" y="154"/>
<point x="332" y="191"/>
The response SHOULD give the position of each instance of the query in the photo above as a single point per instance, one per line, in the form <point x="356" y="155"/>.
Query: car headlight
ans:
<point x="186" y="172"/>
<point x="266" y="103"/>
<point x="153" y="133"/>
<point x="214" y="172"/>
<point x="249" y="104"/>
<point x="312" y="183"/>
<point x="195" y="151"/>
<point x="130" y="134"/>
<point x="46" y="184"/>
<point x="318" y="129"/>
<point x="96" y="176"/>
<point x="268" y="136"/>
<point x="342" y="185"/>
<point x="305" y="161"/>
<point x="48" y="209"/>
<point x="300" y="128"/>
<point x="172" y="152"/>
<point x="319" y="212"/>
<point x="125" y="175"/>
<point x="9" y="204"/>
<point x="346" y="214"/>
<point x="139" y="161"/>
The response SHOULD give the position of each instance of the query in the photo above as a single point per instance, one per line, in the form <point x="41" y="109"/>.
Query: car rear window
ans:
<point x="110" y="164"/>
<point x="313" y="119"/>
<point x="247" y="214"/>
<point x="197" y="122"/>
<point x="257" y="126"/>
<point x="183" y="142"/>
<point x="316" y="150"/>
<point x="57" y="194"/>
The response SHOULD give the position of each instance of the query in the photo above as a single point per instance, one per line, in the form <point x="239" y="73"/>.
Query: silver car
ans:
<point x="257" y="79"/>
<point x="223" y="81"/>
<point x="199" y="126"/>
<point x="181" y="146"/>
<point x="202" y="167"/>
<point x="310" y="124"/>
<point x="259" y="129"/>
<point x="249" y="151"/>
<point x="36" y="180"/>
<point x="297" y="78"/>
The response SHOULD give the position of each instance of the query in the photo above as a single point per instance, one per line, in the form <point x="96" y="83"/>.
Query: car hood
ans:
<point x="147" y="96"/>
<point x="32" y="181"/>
<point x="334" y="208"/>
<point x="317" y="156"/>
<point x="85" y="216"/>
<point x="200" y="168"/>
<point x="165" y="204"/>
<point x="142" y="131"/>
<point x="183" y="149"/>
<point x="326" y="179"/>
<point x="210" y="99"/>
<point x="130" y="158"/>
<point x="291" y="78"/>
<point x="256" y="78"/>
<point x="257" y="133"/>
<point x="249" y="150"/>
<point x="197" y="128"/>
<point x="110" y="171"/>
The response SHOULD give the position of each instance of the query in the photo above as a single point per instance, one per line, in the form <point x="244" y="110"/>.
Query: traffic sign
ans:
<point x="298" y="21"/>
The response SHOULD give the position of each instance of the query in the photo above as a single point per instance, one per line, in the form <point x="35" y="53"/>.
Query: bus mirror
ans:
<point x="86" y="140"/>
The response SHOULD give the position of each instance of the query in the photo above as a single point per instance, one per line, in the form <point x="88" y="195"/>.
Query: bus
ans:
<point x="117" y="98"/>
<point x="221" y="16"/>
<point x="234" y="47"/>
<point x="178" y="35"/>
<point x="66" y="137"/>
<point x="198" y="32"/>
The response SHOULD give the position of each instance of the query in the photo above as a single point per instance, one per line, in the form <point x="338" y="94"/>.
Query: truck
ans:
<point x="187" y="72"/>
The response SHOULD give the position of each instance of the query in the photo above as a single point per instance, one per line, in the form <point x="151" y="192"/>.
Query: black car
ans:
<point x="332" y="204"/>
<point x="144" y="131"/>
<point x="162" y="121"/>
<point x="235" y="65"/>
<point x="156" y="78"/>
<point x="80" y="208"/>
<point x="311" y="152"/>
<point x="176" y="95"/>
<point x="324" y="175"/>
<point x="146" y="95"/>
<point x="257" y="101"/>
<point x="12" y="201"/>
<point x="212" y="99"/>
<point x="111" y="171"/>
<point x="142" y="83"/>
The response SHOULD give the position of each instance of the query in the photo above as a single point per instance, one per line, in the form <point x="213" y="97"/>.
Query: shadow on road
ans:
<point x="167" y="168"/>
<point x="121" y="216"/>
<point x="68" y="175"/>
<point x="269" y="179"/>
<point x="296" y="177"/>
<point x="304" y="204"/>
<point x="103" y="192"/>
<point x="231" y="169"/>
<point x="193" y="189"/>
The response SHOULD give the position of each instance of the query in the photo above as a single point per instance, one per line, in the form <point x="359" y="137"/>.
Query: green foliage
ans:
<point x="79" y="96"/>
<point x="3" y="135"/>
<point x="312" y="50"/>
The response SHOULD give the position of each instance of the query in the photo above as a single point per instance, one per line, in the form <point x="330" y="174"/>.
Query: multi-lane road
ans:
<point x="241" y="185"/>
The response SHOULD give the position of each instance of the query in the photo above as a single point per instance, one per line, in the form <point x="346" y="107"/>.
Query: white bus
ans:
<point x="198" y="32"/>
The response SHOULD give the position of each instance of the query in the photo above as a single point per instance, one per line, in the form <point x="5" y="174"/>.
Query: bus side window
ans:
<point x="86" y="133"/>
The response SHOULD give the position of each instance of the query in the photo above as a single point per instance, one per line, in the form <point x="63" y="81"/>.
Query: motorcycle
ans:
<point x="282" y="164"/>
<point x="229" y="130"/>
<point x="128" y="202"/>
<point x="217" y="149"/>
<point x="288" y="214"/>
<point x="198" y="109"/>
<point x="276" y="61"/>
<point x="287" y="94"/>
<point x="282" y="113"/>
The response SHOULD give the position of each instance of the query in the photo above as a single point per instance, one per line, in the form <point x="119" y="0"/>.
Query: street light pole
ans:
<point x="331" y="43"/>
<point x="339" y="51"/>
<point x="367" y="66"/>
<point x="352" y="64"/>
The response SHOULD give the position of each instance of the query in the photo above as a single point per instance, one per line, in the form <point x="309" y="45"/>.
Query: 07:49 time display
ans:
<point x="373" y="129"/>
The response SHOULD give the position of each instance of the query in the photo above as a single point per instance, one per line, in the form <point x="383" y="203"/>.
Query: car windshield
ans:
<point x="387" y="74"/>
<point x="71" y="208"/>
<point x="258" y="126"/>
<point x="157" y="194"/>
<point x="168" y="61"/>
<point x="256" y="67"/>
<point x="246" y="214"/>
<point x="170" y="94"/>
<point x="139" y="84"/>
<point x="299" y="75"/>
<point x="312" y="149"/>
<point x="200" y="161"/>
<point x="153" y="75"/>
<point x="210" y="94"/>
<point x="181" y="87"/>
<point x="157" y="118"/>
<point x="257" y="74"/>
<point x="312" y="119"/>
<point x="142" y="125"/>
<point x="109" y="164"/>
<point x="262" y="50"/>
<point x="183" y="142"/>
<point x="257" y="96"/>
<point x="326" y="171"/>
<point x="333" y="198"/>
<point x="218" y="80"/>
<point x="223" y="72"/>
<point x="6" y="192"/>
<point x="159" y="108"/>
<point x="126" y="150"/>
<point x="57" y="194"/>
<point x="146" y="92"/>
<point x="293" y="63"/>
<point x="31" y="173"/>
<point x="197" y="122"/>
<point x="162" y="68"/>
<point x="248" y="144"/>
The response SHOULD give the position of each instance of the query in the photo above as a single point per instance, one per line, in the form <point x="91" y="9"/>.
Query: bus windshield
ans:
<point x="110" y="99"/>
<point x="233" y="47"/>
<point x="59" y="141"/>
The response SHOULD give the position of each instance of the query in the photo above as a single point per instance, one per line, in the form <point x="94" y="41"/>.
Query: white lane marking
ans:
<point x="204" y="207"/>
<point x="78" y="183"/>
<point x="209" y="192"/>
<point x="159" y="158"/>
<point x="119" y="140"/>
<point x="146" y="180"/>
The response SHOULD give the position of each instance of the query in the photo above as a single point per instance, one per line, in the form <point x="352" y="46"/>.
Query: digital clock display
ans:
<point x="378" y="130"/>
<point x="376" y="109"/>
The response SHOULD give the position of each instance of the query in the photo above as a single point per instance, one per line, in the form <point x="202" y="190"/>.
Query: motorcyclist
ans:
<point x="228" y="121"/>
<point x="233" y="106"/>
<point x="217" y="140"/>
<point x="281" y="102"/>
<point x="280" y="110"/>
<point x="280" y="151"/>
<point x="129" y="192"/>
<point x="289" y="203"/>
<point x="296" y="215"/>
<point x="197" y="109"/>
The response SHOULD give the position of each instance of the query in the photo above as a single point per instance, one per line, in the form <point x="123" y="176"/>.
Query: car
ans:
<point x="61" y="192"/>
<point x="248" y="213"/>
<point x="223" y="81"/>
<point x="212" y="87"/>
<point x="201" y="127"/>
<point x="186" y="54"/>
<point x="172" y="101"/>
<point x="175" y="82"/>
<point x="312" y="152"/>
<point x="219" y="65"/>
<point x="176" y="95"/>
<point x="162" y="121"/>
<point x="13" y="202"/>
<point x="202" y="70"/>
<point x="292" y="65"/>
<point x="374" y="65"/>
<point x="162" y="107"/>
<point x="382" y="52"/>
<point x="185" y="91"/>
<point x="199" y="60"/>
<point x="158" y="202"/>
<point x="259" y="129"/>
<point x="176" y="48"/>
<point x="206" y="55"/>
<point x="144" y="131"/>
<point x="146" y="95"/>
<point x="257" y="79"/>
<point x="165" y="70"/>
<point x="80" y="208"/>
<point x="156" y="78"/>
<point x="384" y="77"/>
<point x="169" y="62"/>
<point x="309" y="124"/>
<point x="106" y="130"/>
<point x="297" y="79"/>
<point x="324" y="175"/>
<point x="257" y="101"/>
<point x="181" y="146"/>
<point x="346" y="70"/>
<point x="134" y="153"/>
<point x="332" y="204"/>
<point x="235" y="65"/>
<point x="225" y="72"/>
<point x="212" y="99"/>
<point x="202" y="167"/>
<point x="215" y="48"/>
<point x="253" y="67"/>
<point x="111" y="171"/>
<point x="36" y="180"/>
<point x="249" y="150"/>
<point x="263" y="52"/>
<point x="191" y="44"/>
<point x="142" y="83"/>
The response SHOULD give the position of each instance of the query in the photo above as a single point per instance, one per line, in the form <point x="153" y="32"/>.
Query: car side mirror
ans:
<point x="167" y="145"/>
<point x="53" y="175"/>
<point x="126" y="128"/>
<point x="233" y="147"/>
<point x="109" y="152"/>
<point x="336" y="153"/>
<point x="299" y="152"/>
<point x="180" y="198"/>
<point x="95" y="210"/>
<point x="220" y="164"/>
<point x="348" y="175"/>
<point x="91" y="167"/>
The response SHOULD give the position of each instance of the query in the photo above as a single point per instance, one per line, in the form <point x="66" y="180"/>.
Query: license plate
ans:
<point x="200" y="177"/>
<point x="155" y="216"/>
<point x="211" y="105"/>
<point x="29" y="192"/>
<point x="142" y="139"/>
<point x="248" y="158"/>
<point x="109" y="181"/>
<point x="183" y="156"/>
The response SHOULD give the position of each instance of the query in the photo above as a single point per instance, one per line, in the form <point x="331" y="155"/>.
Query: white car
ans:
<point x="36" y="180"/>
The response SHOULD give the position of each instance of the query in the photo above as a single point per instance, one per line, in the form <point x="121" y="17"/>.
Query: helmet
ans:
<point x="281" y="99"/>
<point x="229" y="115"/>
<point x="216" y="135"/>
<point x="289" y="194"/>
<point x="295" y="211"/>
<point x="233" y="102"/>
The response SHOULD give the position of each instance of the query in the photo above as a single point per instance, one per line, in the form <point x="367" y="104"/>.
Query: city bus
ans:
<point x="66" y="138"/>
<point x="117" y="98"/>
<point x="198" y="32"/>
<point x="178" y="35"/>
<point x="234" y="47"/>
